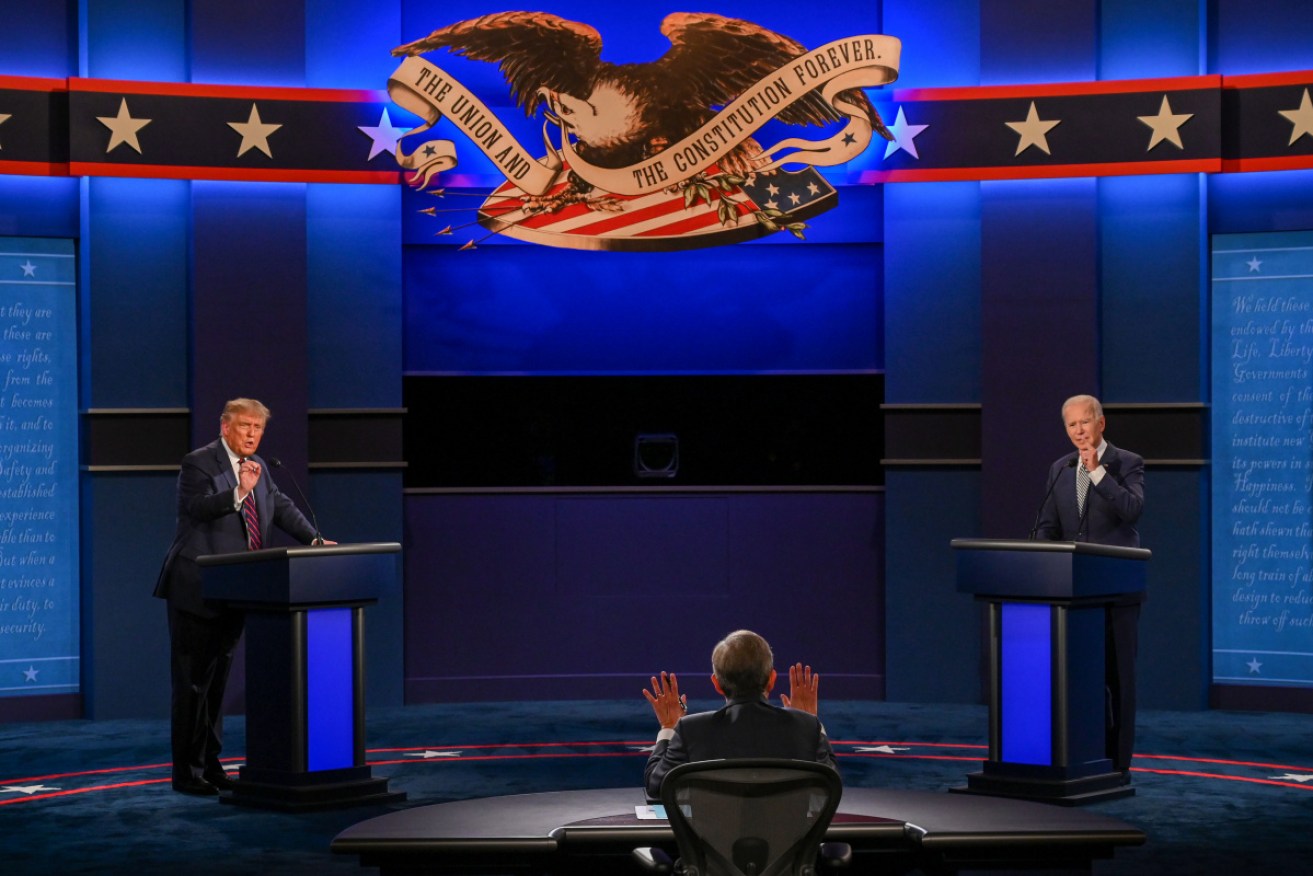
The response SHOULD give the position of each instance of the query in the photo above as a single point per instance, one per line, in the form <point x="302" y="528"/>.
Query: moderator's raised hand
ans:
<point x="666" y="701"/>
<point x="802" y="689"/>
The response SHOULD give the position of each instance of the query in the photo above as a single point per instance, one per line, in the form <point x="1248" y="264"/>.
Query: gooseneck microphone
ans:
<point x="1034" y="529"/>
<point x="278" y="463"/>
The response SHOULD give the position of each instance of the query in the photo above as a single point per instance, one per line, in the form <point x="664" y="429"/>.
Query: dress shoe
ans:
<point x="195" y="787"/>
<point x="219" y="780"/>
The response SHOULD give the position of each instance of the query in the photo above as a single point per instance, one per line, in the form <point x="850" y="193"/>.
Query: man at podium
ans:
<point x="1095" y="494"/>
<point x="226" y="503"/>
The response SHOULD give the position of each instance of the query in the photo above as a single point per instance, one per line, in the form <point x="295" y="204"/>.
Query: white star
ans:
<point x="904" y="136"/>
<point x="1254" y="665"/>
<point x="384" y="136"/>
<point x="1254" y="264"/>
<point x="772" y="204"/>
<point x="794" y="198"/>
<point x="1301" y="118"/>
<point x="1033" y="131"/>
<point x="883" y="749"/>
<point x="430" y="754"/>
<point x="30" y="673"/>
<point x="25" y="789"/>
<point x="1166" y="125"/>
<point x="813" y="189"/>
<point x="255" y="133"/>
<point x="29" y="269"/>
<point x="773" y="189"/>
<point x="1296" y="777"/>
<point x="123" y="128"/>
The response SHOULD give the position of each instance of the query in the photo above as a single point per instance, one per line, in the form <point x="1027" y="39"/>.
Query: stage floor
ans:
<point x="1216" y="791"/>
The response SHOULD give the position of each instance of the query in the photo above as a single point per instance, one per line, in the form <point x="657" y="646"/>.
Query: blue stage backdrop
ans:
<point x="38" y="468"/>
<point x="1263" y="459"/>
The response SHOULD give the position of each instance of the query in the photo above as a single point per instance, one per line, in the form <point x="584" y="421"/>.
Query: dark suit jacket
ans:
<point x="209" y="524"/>
<point x="1111" y="509"/>
<point x="742" y="728"/>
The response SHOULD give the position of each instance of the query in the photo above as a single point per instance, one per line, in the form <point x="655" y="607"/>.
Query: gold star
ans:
<point x="1033" y="131"/>
<point x="1301" y="118"/>
<point x="123" y="128"/>
<point x="255" y="133"/>
<point x="1166" y="125"/>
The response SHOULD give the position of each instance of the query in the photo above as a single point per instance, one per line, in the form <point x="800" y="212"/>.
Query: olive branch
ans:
<point x="699" y="187"/>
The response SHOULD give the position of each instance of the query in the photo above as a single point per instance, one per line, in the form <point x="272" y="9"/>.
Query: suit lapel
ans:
<point x="225" y="465"/>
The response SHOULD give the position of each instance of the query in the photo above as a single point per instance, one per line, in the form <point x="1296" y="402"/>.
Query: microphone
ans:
<point x="1034" y="529"/>
<point x="278" y="463"/>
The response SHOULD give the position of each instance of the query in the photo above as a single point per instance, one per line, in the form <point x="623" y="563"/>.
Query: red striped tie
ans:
<point x="252" y="518"/>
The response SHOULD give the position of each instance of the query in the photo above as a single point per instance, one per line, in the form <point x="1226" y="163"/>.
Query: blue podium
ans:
<point x="1048" y="605"/>
<point x="305" y="679"/>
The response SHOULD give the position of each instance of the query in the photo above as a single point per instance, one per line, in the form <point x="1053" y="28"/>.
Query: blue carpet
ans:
<point x="1216" y="791"/>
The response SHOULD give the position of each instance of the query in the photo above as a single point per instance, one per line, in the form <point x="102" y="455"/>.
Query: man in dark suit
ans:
<point x="226" y="504"/>
<point x="748" y="725"/>
<point x="1112" y="481"/>
<point x="1115" y="495"/>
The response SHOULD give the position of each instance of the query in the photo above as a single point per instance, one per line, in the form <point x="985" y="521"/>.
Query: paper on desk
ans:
<point x="652" y="812"/>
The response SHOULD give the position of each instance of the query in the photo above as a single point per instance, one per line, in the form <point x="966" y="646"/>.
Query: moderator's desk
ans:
<point x="593" y="832"/>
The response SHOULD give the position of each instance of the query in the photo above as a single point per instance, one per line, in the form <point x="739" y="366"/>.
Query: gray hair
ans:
<point x="1083" y="400"/>
<point x="742" y="662"/>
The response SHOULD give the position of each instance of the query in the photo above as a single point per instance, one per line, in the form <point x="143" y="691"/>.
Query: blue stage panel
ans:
<point x="1027" y="684"/>
<point x="1262" y="498"/>
<point x="137" y="243"/>
<point x="39" y="570"/>
<point x="330" y="689"/>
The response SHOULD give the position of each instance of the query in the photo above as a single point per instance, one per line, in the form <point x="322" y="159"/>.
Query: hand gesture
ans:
<point x="248" y="475"/>
<point x="802" y="689"/>
<point x="666" y="702"/>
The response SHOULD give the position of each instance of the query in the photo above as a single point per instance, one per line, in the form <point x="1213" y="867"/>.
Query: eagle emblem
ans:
<point x="625" y="139"/>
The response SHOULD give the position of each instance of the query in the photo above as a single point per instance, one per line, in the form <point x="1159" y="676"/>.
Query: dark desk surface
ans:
<point x="950" y="830"/>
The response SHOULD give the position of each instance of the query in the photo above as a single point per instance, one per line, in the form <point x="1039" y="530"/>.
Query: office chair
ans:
<point x="753" y="817"/>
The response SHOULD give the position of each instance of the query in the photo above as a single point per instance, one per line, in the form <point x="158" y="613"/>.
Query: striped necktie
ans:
<point x="251" y="517"/>
<point x="1082" y="487"/>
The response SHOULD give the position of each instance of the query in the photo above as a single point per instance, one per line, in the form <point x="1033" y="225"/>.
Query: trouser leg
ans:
<point x="201" y="656"/>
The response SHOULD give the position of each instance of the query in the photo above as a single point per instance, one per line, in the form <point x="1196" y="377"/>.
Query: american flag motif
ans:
<point x="698" y="214"/>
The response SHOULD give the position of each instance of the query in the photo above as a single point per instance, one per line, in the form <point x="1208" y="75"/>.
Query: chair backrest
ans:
<point x="755" y="817"/>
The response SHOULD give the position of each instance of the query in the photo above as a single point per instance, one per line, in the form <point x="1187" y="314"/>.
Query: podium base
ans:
<point x="1064" y="792"/>
<point x="300" y="792"/>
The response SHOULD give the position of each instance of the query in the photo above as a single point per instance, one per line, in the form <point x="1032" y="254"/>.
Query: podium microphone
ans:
<point x="1034" y="529"/>
<point x="319" y="538"/>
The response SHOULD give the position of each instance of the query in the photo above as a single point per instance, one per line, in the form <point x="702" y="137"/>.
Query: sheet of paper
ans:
<point x="652" y="812"/>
